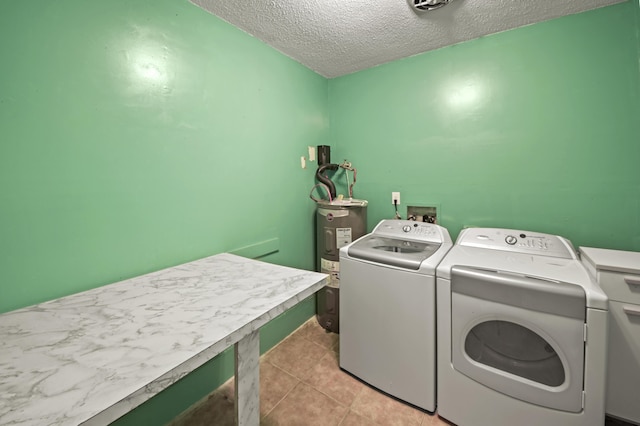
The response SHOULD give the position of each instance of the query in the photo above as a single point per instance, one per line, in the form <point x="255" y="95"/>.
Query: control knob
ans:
<point x="406" y="228"/>
<point x="511" y="240"/>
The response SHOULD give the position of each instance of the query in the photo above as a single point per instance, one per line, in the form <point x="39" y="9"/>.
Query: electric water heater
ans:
<point x="338" y="222"/>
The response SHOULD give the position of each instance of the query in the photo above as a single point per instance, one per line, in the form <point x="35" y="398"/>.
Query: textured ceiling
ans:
<point x="337" y="37"/>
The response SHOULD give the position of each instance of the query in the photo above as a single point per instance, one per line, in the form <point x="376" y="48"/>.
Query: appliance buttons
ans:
<point x="406" y="228"/>
<point x="510" y="239"/>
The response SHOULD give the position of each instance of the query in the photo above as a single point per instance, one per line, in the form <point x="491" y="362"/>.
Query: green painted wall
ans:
<point x="137" y="135"/>
<point x="535" y="128"/>
<point x="142" y="134"/>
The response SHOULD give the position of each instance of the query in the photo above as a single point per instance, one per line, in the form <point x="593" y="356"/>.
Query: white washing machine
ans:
<point x="522" y="332"/>
<point x="387" y="308"/>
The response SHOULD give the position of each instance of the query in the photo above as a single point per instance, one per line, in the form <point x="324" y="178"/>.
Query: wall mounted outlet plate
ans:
<point x="395" y="198"/>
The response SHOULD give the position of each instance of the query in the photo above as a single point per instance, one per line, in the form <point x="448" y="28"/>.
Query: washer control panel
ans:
<point x="517" y="241"/>
<point x="406" y="229"/>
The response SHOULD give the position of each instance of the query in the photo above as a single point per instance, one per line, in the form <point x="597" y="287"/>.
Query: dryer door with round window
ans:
<point x="519" y="335"/>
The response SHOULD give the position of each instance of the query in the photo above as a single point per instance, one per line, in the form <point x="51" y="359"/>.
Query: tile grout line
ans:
<point x="329" y="350"/>
<point x="344" y="417"/>
<point x="281" y="399"/>
<point x="299" y="380"/>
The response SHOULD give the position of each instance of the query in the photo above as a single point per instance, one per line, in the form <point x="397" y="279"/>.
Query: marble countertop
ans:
<point x="91" y="357"/>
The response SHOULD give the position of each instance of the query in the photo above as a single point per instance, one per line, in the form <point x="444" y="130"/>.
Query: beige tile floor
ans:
<point x="302" y="384"/>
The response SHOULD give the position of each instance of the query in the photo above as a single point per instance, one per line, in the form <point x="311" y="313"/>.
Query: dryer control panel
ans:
<point x="518" y="241"/>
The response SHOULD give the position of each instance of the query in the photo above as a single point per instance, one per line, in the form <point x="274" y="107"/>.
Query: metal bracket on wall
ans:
<point x="258" y="250"/>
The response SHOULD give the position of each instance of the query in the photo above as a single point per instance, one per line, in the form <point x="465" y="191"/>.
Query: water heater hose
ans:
<point x="326" y="180"/>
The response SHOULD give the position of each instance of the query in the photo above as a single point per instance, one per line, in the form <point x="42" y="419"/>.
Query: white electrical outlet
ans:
<point x="395" y="198"/>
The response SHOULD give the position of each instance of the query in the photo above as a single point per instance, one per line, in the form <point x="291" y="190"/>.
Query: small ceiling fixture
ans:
<point x="425" y="5"/>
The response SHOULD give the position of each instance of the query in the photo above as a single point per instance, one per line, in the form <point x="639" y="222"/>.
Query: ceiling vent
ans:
<point x="425" y="5"/>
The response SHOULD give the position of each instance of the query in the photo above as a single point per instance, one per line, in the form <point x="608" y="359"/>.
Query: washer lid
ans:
<point x="392" y="251"/>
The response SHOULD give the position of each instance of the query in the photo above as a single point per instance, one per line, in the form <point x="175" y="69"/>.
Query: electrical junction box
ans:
<point x="423" y="214"/>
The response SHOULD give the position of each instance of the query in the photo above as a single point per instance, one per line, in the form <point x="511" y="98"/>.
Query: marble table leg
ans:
<point x="247" y="380"/>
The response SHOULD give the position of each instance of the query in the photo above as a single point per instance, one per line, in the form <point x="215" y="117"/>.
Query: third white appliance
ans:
<point x="618" y="273"/>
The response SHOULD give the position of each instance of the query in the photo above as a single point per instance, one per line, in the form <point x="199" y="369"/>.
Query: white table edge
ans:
<point x="169" y="378"/>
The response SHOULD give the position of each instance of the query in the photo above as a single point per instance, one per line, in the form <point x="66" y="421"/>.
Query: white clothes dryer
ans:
<point x="522" y="332"/>
<point x="387" y="308"/>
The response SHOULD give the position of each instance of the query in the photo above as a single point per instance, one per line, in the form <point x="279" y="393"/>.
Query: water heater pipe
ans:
<point x="322" y="178"/>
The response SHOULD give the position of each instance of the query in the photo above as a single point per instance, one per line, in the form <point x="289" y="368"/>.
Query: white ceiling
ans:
<point x="337" y="37"/>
